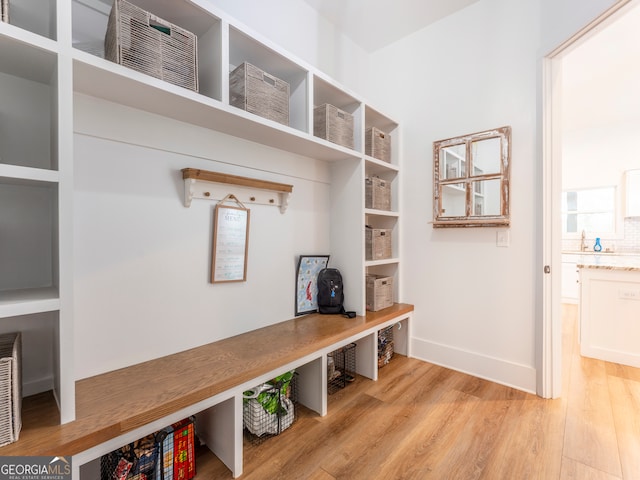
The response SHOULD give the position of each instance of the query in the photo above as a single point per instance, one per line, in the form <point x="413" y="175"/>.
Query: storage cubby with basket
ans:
<point x="379" y="292"/>
<point x="385" y="346"/>
<point x="377" y="144"/>
<point x="341" y="368"/>
<point x="10" y="387"/>
<point x="378" y="243"/>
<point x="270" y="408"/>
<point x="377" y="193"/>
<point x="256" y="91"/>
<point x="333" y="124"/>
<point x="144" y="42"/>
<point x="168" y="454"/>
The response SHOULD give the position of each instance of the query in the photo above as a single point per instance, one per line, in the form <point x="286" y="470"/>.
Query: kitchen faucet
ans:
<point x="583" y="245"/>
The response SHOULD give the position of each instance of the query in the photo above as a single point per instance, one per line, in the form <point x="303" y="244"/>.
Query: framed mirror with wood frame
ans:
<point x="471" y="180"/>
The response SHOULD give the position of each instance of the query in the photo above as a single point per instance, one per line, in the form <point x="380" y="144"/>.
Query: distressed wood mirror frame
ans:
<point x="471" y="180"/>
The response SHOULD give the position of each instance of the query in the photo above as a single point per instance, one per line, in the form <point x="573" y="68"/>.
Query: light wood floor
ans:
<point x="421" y="421"/>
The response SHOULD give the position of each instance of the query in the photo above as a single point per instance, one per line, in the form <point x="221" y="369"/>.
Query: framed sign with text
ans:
<point x="230" y="244"/>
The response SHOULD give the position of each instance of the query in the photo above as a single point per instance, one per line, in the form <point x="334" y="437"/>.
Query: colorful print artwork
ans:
<point x="307" y="275"/>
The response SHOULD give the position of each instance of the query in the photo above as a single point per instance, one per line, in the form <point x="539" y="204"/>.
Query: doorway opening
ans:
<point x="589" y="114"/>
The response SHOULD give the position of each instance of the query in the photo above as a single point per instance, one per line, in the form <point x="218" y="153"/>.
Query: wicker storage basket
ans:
<point x="377" y="193"/>
<point x="139" y="40"/>
<point x="10" y="387"/>
<point x="4" y="11"/>
<point x="377" y="243"/>
<point x="333" y="124"/>
<point x="377" y="144"/>
<point x="379" y="292"/>
<point x="256" y="91"/>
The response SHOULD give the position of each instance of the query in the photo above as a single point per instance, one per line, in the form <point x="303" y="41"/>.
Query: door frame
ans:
<point x="550" y="381"/>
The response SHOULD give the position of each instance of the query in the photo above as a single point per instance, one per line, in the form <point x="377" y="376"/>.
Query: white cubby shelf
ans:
<point x="52" y="54"/>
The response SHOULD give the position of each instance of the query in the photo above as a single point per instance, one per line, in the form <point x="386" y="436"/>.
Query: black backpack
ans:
<point x="330" y="292"/>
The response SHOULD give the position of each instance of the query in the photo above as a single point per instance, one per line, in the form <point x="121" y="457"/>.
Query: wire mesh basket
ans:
<point x="385" y="346"/>
<point x="341" y="368"/>
<point x="138" y="458"/>
<point x="270" y="408"/>
<point x="167" y="454"/>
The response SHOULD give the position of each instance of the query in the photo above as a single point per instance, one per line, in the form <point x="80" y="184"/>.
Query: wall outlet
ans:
<point x="502" y="238"/>
<point x="629" y="293"/>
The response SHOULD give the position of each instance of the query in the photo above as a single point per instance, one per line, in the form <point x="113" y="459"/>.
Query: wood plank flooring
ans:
<point x="422" y="421"/>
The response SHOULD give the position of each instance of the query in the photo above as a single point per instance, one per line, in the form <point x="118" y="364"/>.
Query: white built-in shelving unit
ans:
<point x="52" y="49"/>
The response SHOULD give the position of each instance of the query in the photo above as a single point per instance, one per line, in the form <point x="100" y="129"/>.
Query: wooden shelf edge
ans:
<point x="209" y="185"/>
<point x="216" y="177"/>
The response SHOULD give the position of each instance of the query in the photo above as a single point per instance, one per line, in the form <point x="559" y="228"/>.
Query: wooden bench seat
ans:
<point x="117" y="402"/>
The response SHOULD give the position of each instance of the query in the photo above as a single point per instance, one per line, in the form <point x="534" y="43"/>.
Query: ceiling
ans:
<point x="601" y="76"/>
<point x="373" y="24"/>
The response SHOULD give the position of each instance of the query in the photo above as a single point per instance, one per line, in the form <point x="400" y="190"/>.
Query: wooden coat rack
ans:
<point x="216" y="186"/>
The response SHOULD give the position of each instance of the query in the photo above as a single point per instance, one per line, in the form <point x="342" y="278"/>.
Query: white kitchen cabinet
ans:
<point x="570" y="279"/>
<point x="609" y="313"/>
<point x="632" y="189"/>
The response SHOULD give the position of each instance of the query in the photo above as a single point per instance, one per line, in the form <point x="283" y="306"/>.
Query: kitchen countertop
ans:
<point x="605" y="253"/>
<point x="608" y="261"/>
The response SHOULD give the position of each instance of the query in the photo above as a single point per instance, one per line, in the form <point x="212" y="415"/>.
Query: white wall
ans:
<point x="473" y="71"/>
<point x="477" y="305"/>
<point x="142" y="259"/>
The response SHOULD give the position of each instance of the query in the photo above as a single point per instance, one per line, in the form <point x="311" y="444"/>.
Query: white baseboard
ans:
<point x="570" y="300"/>
<point x="608" y="355"/>
<point x="521" y="377"/>
<point x="31" y="387"/>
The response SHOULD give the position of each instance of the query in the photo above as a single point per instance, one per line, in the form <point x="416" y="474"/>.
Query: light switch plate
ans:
<point x="503" y="238"/>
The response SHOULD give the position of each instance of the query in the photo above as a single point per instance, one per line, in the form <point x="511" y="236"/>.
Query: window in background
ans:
<point x="592" y="210"/>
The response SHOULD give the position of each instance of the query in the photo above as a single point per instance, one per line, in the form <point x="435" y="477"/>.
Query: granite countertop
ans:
<point x="604" y="253"/>
<point x="609" y="261"/>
